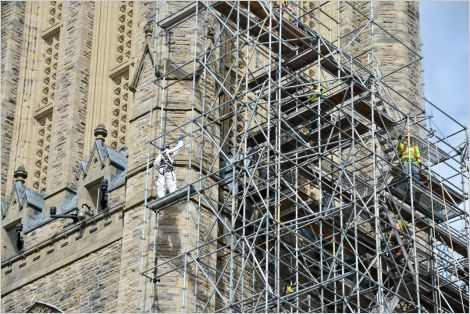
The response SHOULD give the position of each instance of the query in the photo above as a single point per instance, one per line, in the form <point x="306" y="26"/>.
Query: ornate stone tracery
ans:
<point x="120" y="78"/>
<point x="41" y="158"/>
<point x="54" y="13"/>
<point x="124" y="31"/>
<point x="119" y="110"/>
<point x="49" y="72"/>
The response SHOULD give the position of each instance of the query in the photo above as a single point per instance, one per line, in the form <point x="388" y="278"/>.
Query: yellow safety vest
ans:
<point x="314" y="98"/>
<point x="413" y="152"/>
<point x="290" y="289"/>
<point x="403" y="225"/>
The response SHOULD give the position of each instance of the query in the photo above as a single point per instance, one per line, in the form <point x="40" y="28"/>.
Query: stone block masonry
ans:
<point x="67" y="247"/>
<point x="70" y="110"/>
<point x="88" y="285"/>
<point x="12" y="39"/>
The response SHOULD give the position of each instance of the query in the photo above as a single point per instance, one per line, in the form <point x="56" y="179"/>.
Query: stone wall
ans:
<point x="55" y="227"/>
<point x="137" y="221"/>
<point x="88" y="285"/>
<point x="12" y="38"/>
<point x="179" y="227"/>
<point x="70" y="110"/>
<point x="52" y="87"/>
<point x="22" y="123"/>
<point x="392" y="54"/>
<point x="361" y="40"/>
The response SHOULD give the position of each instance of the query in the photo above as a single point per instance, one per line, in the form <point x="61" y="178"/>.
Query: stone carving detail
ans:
<point x="124" y="31"/>
<point x="119" y="111"/>
<point x="54" y="13"/>
<point x="41" y="158"/>
<point x="51" y="58"/>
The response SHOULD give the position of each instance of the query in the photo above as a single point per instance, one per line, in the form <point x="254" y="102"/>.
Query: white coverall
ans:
<point x="164" y="164"/>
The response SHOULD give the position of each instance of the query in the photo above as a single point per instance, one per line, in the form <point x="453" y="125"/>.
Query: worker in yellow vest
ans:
<point x="317" y="93"/>
<point x="290" y="288"/>
<point x="410" y="156"/>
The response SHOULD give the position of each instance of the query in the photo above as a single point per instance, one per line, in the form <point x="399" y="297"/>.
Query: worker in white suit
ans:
<point x="164" y="164"/>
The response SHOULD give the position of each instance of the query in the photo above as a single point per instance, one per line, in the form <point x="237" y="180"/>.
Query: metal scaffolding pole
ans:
<point x="293" y="181"/>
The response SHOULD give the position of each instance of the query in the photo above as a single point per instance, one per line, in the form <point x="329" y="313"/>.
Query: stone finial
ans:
<point x="20" y="174"/>
<point x="100" y="132"/>
<point x="148" y="30"/>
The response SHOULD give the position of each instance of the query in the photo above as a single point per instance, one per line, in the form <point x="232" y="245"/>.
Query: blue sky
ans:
<point x="444" y="34"/>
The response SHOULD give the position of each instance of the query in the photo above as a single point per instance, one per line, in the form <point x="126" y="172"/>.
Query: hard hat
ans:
<point x="409" y="135"/>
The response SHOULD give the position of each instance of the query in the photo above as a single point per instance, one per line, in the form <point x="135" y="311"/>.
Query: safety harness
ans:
<point x="166" y="165"/>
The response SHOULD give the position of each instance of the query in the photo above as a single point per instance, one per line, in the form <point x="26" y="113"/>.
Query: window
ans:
<point x="10" y="239"/>
<point x="97" y="195"/>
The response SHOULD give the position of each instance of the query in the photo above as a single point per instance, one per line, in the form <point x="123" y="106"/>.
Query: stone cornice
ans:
<point x="66" y="188"/>
<point x="51" y="30"/>
<point x="61" y="249"/>
<point x="43" y="111"/>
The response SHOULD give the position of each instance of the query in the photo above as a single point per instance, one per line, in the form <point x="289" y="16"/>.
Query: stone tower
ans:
<point x="78" y="103"/>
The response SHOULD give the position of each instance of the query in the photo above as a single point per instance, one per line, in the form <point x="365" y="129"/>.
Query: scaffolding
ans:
<point x="293" y="184"/>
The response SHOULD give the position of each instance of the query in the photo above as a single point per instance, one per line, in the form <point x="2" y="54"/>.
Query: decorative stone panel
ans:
<point x="44" y="126"/>
<point x="54" y="13"/>
<point x="49" y="72"/>
<point x="124" y="32"/>
<point x="119" y="111"/>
